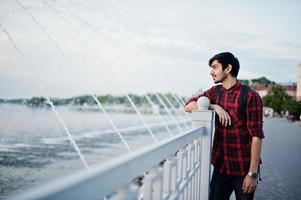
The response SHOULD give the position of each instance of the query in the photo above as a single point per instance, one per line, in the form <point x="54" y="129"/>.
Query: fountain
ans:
<point x="174" y="109"/>
<point x="169" y="113"/>
<point x="112" y="47"/>
<point x="41" y="87"/>
<point x="159" y="115"/>
<point x="75" y="70"/>
<point x="69" y="24"/>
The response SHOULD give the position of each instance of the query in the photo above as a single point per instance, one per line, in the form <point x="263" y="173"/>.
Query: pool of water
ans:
<point x="34" y="148"/>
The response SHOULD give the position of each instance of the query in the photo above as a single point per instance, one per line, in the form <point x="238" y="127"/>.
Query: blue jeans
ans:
<point x="222" y="186"/>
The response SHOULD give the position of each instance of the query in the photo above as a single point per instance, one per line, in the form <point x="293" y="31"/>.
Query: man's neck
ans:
<point x="229" y="82"/>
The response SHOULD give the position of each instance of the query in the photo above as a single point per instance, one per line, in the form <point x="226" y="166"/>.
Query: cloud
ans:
<point x="139" y="46"/>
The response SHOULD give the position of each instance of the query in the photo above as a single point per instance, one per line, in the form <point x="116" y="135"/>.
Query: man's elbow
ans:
<point x="187" y="109"/>
<point x="256" y="139"/>
<point x="191" y="107"/>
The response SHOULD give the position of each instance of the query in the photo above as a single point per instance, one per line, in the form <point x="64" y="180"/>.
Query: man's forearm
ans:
<point x="255" y="154"/>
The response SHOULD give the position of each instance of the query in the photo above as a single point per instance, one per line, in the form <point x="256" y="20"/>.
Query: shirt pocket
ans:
<point x="236" y="119"/>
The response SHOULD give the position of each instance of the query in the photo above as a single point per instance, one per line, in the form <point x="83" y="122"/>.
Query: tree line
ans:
<point x="138" y="100"/>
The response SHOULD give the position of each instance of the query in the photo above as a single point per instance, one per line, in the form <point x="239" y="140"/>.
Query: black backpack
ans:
<point x="243" y="98"/>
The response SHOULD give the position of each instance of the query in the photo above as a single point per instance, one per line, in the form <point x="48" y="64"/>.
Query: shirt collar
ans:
<point x="234" y="87"/>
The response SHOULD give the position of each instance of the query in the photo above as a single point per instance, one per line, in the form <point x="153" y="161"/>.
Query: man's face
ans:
<point x="217" y="72"/>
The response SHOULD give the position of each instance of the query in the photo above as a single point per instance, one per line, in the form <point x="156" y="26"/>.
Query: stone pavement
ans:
<point x="281" y="169"/>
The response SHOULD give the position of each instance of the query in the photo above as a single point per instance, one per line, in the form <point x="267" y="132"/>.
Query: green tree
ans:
<point x="279" y="100"/>
<point x="36" y="102"/>
<point x="276" y="99"/>
<point x="293" y="107"/>
<point x="263" y="80"/>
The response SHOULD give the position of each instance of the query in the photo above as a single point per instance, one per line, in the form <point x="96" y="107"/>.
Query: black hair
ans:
<point x="226" y="58"/>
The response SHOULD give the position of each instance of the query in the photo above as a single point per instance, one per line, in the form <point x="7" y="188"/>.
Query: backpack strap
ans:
<point x="216" y="92"/>
<point x="243" y="99"/>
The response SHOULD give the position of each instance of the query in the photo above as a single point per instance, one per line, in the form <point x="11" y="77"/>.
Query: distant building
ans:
<point x="264" y="91"/>
<point x="291" y="90"/>
<point x="264" y="86"/>
<point x="261" y="89"/>
<point x="299" y="83"/>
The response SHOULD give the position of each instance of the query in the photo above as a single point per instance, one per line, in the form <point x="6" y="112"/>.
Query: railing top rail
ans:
<point x="100" y="181"/>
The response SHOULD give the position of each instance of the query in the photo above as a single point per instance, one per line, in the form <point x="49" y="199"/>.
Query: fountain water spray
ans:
<point x="41" y="87"/>
<point x="178" y="101"/>
<point x="121" y="58"/>
<point x="181" y="103"/>
<point x="87" y="44"/>
<point x="63" y="55"/>
<point x="109" y="44"/>
<point x="159" y="115"/>
<point x="123" y="62"/>
<point x="169" y="113"/>
<point x="174" y="109"/>
<point x="140" y="116"/>
<point x="181" y="99"/>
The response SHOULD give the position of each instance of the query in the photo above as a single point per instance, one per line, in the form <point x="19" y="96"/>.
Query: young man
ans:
<point x="238" y="131"/>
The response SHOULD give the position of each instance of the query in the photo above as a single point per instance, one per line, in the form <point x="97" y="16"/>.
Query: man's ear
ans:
<point x="229" y="68"/>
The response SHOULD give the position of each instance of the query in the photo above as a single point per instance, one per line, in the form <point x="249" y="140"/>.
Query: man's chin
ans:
<point x="216" y="81"/>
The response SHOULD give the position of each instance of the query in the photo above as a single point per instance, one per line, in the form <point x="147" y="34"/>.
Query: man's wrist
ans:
<point x="212" y="106"/>
<point x="253" y="175"/>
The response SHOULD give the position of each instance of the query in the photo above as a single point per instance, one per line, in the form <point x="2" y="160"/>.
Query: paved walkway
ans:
<point x="281" y="169"/>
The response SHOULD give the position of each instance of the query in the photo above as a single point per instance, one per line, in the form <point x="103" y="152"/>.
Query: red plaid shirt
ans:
<point x="231" y="153"/>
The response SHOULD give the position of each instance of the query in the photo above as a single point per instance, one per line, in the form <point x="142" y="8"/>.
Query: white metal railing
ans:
<point x="176" y="168"/>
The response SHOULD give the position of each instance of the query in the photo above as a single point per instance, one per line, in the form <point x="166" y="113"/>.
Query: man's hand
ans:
<point x="224" y="117"/>
<point x="249" y="184"/>
<point x="191" y="106"/>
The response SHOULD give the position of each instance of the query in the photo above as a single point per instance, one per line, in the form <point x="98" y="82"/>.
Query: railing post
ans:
<point x="198" y="176"/>
<point x="189" y="169"/>
<point x="205" y="118"/>
<point x="153" y="184"/>
<point x="195" y="164"/>
<point x="180" y="167"/>
<point x="167" y="176"/>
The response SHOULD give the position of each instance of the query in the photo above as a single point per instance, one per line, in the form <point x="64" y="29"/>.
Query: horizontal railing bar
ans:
<point x="103" y="180"/>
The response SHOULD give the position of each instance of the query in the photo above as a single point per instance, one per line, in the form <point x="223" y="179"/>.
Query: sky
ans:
<point x="65" y="48"/>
